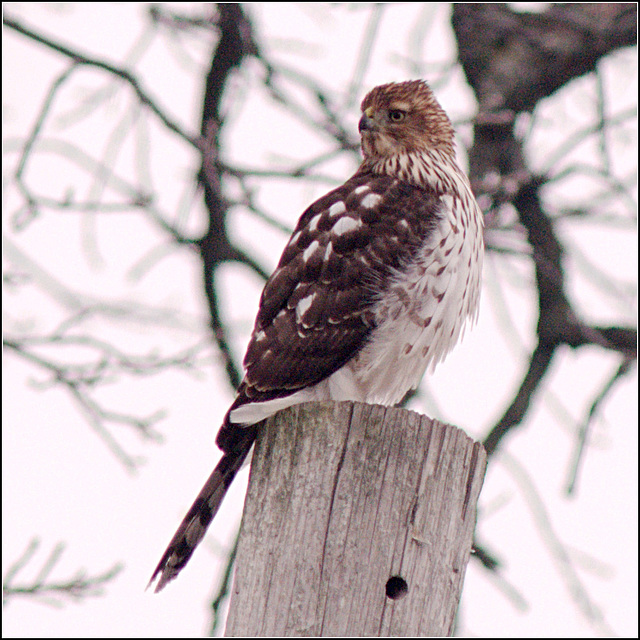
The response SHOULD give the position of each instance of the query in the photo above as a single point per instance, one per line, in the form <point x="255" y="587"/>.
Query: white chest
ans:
<point x="422" y="314"/>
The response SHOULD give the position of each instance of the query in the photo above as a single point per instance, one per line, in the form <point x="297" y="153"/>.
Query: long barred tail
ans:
<point x="197" y="521"/>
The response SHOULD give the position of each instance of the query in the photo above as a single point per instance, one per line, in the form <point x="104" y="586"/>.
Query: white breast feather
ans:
<point x="416" y="326"/>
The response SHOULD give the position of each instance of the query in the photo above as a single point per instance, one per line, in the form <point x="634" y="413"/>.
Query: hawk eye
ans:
<point x="397" y="115"/>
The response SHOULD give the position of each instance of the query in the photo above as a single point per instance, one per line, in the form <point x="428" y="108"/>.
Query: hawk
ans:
<point x="376" y="283"/>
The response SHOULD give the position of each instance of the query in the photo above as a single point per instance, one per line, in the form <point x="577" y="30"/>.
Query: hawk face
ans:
<point x="403" y="118"/>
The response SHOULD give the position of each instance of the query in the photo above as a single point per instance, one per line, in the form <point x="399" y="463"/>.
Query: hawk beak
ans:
<point x="366" y="123"/>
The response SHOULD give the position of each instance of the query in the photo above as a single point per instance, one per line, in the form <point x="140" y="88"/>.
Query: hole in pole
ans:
<point x="396" y="588"/>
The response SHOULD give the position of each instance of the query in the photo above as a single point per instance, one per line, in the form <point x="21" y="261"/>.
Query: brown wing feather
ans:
<point x="343" y="250"/>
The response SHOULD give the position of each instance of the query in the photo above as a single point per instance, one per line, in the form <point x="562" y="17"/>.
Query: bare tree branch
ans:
<point x="557" y="549"/>
<point x="81" y="59"/>
<point x="583" y="434"/>
<point x="513" y="60"/>
<point x="53" y="593"/>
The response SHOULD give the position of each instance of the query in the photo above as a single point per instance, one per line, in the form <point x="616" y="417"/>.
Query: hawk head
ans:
<point x="402" y="118"/>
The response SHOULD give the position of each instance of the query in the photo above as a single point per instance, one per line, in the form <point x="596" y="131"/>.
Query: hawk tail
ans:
<point x="202" y="511"/>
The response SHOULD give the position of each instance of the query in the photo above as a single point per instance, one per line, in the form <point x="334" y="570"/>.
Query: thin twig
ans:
<point x="582" y="436"/>
<point x="557" y="549"/>
<point x="83" y="59"/>
<point x="76" y="588"/>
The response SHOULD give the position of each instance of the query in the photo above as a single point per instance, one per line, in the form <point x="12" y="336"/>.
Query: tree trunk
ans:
<point x="358" y="522"/>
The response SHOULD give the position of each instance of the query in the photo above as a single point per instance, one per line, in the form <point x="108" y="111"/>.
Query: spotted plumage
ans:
<point x="375" y="284"/>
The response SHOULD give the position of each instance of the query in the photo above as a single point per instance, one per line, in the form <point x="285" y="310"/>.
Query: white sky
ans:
<point x="62" y="484"/>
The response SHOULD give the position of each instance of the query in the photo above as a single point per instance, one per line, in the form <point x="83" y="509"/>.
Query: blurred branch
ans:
<point x="82" y="59"/>
<point x="161" y="14"/>
<point x="330" y="123"/>
<point x="224" y="588"/>
<point x="512" y="61"/>
<point x="365" y="54"/>
<point x="515" y="59"/>
<point x="84" y="307"/>
<point x="538" y="366"/>
<point x="568" y="144"/>
<point x="582" y="435"/>
<point x="54" y="593"/>
<point x="78" y="381"/>
<point x="556" y="548"/>
<point x="235" y="43"/>
<point x="497" y="577"/>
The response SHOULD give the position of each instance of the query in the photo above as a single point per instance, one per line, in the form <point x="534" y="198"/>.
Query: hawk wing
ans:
<point x="316" y="309"/>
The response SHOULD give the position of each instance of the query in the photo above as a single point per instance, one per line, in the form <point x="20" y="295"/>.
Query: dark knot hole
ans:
<point x="396" y="588"/>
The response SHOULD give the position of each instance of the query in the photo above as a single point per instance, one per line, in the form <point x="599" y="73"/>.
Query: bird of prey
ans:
<point x="376" y="283"/>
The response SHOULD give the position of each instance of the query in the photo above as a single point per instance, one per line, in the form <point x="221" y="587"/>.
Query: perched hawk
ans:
<point x="376" y="283"/>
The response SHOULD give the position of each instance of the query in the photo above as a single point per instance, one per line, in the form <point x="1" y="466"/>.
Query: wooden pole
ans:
<point x="358" y="522"/>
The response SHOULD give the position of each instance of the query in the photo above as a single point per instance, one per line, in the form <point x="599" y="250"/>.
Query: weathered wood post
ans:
<point x="358" y="522"/>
